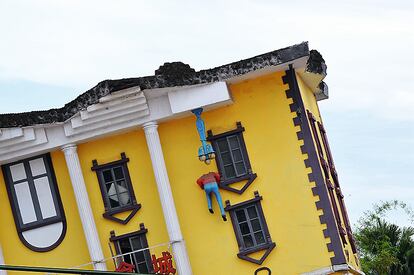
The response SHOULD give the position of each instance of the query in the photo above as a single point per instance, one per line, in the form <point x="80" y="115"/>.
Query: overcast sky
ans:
<point x="53" y="50"/>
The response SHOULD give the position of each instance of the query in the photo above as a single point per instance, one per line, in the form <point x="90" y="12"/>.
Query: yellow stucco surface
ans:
<point x="142" y="178"/>
<point x="274" y="151"/>
<point x="262" y="107"/>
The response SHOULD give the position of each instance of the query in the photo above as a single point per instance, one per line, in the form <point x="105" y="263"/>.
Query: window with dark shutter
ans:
<point x="337" y="187"/>
<point x="116" y="189"/>
<point x="250" y="228"/>
<point x="232" y="159"/>
<point x="325" y="167"/>
<point x="133" y="248"/>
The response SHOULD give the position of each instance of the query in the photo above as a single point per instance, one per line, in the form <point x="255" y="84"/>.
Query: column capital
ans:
<point x="69" y="148"/>
<point x="150" y="126"/>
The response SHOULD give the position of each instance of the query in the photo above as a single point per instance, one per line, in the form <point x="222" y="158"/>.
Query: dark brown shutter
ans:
<point x="325" y="166"/>
<point x="338" y="191"/>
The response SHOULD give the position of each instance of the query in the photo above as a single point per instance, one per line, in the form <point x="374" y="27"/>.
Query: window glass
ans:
<point x="37" y="166"/>
<point x="25" y="202"/>
<point x="139" y="258"/>
<point x="241" y="169"/>
<point x="47" y="205"/>
<point x="230" y="154"/>
<point x="116" y="187"/>
<point x="119" y="173"/>
<point x="250" y="230"/>
<point x="17" y="172"/>
<point x="107" y="174"/>
<point x="233" y="142"/>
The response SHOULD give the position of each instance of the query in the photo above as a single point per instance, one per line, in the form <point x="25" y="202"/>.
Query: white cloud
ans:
<point x="367" y="46"/>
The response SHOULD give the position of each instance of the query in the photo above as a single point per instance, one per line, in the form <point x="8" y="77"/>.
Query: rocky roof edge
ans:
<point x="168" y="75"/>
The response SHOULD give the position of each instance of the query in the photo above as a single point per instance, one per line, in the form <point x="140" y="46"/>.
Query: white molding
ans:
<point x="195" y="97"/>
<point x="112" y="109"/>
<point x="115" y="113"/>
<point x="166" y="198"/>
<point x="28" y="137"/>
<point x="84" y="207"/>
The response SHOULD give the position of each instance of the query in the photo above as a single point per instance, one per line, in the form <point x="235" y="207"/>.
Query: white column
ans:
<point x="2" y="272"/>
<point x="167" y="201"/>
<point x="84" y="206"/>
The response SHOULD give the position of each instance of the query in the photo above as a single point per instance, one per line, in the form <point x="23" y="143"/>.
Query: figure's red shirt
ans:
<point x="208" y="178"/>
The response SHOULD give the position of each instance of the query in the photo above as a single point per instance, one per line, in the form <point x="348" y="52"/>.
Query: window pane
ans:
<point x="234" y="142"/>
<point x="248" y="241"/>
<point x="125" y="247"/>
<point x="124" y="198"/>
<point x="139" y="256"/>
<point x="136" y="243"/>
<point x="244" y="228"/>
<point x="252" y="212"/>
<point x="122" y="184"/>
<point x="37" y="166"/>
<point x="241" y="217"/>
<point x="18" y="172"/>
<point x="226" y="158"/>
<point x="222" y="144"/>
<point x="241" y="169"/>
<point x="256" y="225"/>
<point x="237" y="156"/>
<point x="259" y="237"/>
<point x="142" y="268"/>
<point x="229" y="171"/>
<point x="119" y="173"/>
<point x="107" y="175"/>
<point x="114" y="201"/>
<point x="110" y="189"/>
<point x="45" y="197"/>
<point x="24" y="200"/>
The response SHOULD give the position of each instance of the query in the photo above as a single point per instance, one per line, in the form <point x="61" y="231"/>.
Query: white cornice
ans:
<point x="115" y="113"/>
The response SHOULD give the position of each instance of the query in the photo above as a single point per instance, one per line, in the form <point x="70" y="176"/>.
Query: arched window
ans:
<point x="35" y="202"/>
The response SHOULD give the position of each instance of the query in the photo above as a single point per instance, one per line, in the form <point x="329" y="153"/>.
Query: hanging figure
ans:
<point x="209" y="183"/>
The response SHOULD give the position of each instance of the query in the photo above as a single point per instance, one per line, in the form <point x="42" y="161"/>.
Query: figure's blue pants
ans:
<point x="212" y="187"/>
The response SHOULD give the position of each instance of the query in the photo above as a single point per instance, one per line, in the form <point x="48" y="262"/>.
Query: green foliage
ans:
<point x="385" y="248"/>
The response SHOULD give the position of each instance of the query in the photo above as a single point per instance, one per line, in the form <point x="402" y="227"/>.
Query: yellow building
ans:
<point x="114" y="172"/>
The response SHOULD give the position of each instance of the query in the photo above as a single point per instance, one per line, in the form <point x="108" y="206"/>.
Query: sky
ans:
<point x="53" y="50"/>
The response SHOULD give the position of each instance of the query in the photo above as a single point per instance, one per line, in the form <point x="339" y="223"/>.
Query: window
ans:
<point x="135" y="242"/>
<point x="232" y="158"/>
<point x="116" y="189"/>
<point x="250" y="228"/>
<point x="35" y="202"/>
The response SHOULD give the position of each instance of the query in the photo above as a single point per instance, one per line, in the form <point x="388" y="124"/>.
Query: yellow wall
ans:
<point x="142" y="177"/>
<point x="310" y="103"/>
<point x="289" y="206"/>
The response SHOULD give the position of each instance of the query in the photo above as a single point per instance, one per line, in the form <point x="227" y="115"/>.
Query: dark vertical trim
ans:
<point x="312" y="123"/>
<point x="337" y="187"/>
<point x="316" y="175"/>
